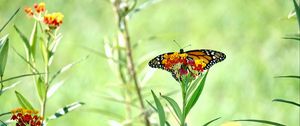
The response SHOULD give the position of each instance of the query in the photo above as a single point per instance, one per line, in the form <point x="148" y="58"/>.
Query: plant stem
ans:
<point x="1" y="88"/>
<point x="124" y="35"/>
<point x="183" y="91"/>
<point x="46" y="78"/>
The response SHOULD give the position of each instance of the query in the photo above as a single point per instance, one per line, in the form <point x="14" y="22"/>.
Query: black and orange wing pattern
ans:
<point x="210" y="57"/>
<point x="207" y="56"/>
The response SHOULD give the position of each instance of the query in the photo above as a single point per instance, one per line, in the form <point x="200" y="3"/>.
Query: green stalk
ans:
<point x="183" y="91"/>
<point x="124" y="34"/>
<point x="46" y="77"/>
<point x="1" y="88"/>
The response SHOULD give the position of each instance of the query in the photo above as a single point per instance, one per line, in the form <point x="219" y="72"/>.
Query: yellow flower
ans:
<point x="41" y="7"/>
<point x="54" y="20"/>
<point x="200" y="62"/>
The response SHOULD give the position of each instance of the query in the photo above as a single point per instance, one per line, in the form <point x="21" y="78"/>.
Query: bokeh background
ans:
<point x="249" y="32"/>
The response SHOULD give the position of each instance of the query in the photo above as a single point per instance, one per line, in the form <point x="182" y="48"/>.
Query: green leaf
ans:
<point x="195" y="96"/>
<point x="4" y="44"/>
<point x="45" y="52"/>
<point x="33" y="39"/>
<point x="152" y="106"/>
<point x="286" y="101"/>
<point x="54" y="89"/>
<point x="293" y="38"/>
<point x="23" y="101"/>
<point x="20" y="76"/>
<point x="65" y="68"/>
<point x="41" y="88"/>
<point x="9" y="19"/>
<point x="160" y="110"/>
<point x="209" y="122"/>
<point x="261" y="121"/>
<point x="29" y="63"/>
<point x="9" y="87"/>
<point x="193" y="86"/>
<point x="297" y="10"/>
<point x="289" y="76"/>
<point x="174" y="105"/>
<point x="2" y="123"/>
<point x="53" y="48"/>
<point x="25" y="40"/>
<point x="65" y="110"/>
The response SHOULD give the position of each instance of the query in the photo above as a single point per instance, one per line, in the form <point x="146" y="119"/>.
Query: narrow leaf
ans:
<point x="33" y="39"/>
<point x="9" y="19"/>
<point x="195" y="96"/>
<point x="4" y="44"/>
<point x="3" y="123"/>
<point x="23" y="101"/>
<point x="20" y="76"/>
<point x="174" y="105"/>
<point x="152" y="106"/>
<point x="45" y="52"/>
<point x="297" y="10"/>
<point x="209" y="122"/>
<point x="261" y="121"/>
<point x="53" y="48"/>
<point x="9" y="87"/>
<point x="65" y="68"/>
<point x="29" y="63"/>
<point x="288" y="76"/>
<point x="54" y="88"/>
<point x="25" y="40"/>
<point x="41" y="88"/>
<point x="293" y="38"/>
<point x="286" y="101"/>
<point x="65" y="110"/>
<point x="160" y="110"/>
<point x="193" y="86"/>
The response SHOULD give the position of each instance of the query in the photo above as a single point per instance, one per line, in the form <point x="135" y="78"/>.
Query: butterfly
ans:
<point x="184" y="62"/>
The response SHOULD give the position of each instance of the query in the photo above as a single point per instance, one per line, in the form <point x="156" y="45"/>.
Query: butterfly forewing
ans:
<point x="210" y="57"/>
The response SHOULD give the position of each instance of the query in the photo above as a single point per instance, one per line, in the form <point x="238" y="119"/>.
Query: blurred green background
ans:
<point x="249" y="32"/>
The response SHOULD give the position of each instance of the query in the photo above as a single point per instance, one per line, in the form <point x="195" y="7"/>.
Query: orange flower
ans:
<point x="54" y="20"/>
<point x="26" y="117"/>
<point x="180" y="65"/>
<point x="28" y="11"/>
<point x="39" y="8"/>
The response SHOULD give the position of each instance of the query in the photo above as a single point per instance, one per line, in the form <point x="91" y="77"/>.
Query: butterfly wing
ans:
<point x="209" y="57"/>
<point x="157" y="61"/>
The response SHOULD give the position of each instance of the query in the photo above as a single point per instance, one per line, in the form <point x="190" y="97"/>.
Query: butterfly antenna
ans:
<point x="177" y="44"/>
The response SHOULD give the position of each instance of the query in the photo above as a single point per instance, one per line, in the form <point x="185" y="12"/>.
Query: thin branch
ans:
<point x="124" y="34"/>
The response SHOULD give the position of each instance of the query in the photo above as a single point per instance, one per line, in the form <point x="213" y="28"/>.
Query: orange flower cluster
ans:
<point x="171" y="59"/>
<point x="181" y="64"/>
<point x="39" y="8"/>
<point x="26" y="117"/>
<point x="53" y="20"/>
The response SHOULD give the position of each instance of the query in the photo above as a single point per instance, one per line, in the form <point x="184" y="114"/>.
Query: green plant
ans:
<point x="43" y="41"/>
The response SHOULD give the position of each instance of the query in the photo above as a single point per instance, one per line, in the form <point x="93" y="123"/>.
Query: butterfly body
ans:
<point x="182" y="62"/>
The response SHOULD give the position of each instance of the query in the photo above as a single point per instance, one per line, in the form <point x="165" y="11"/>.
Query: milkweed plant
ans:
<point x="44" y="40"/>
